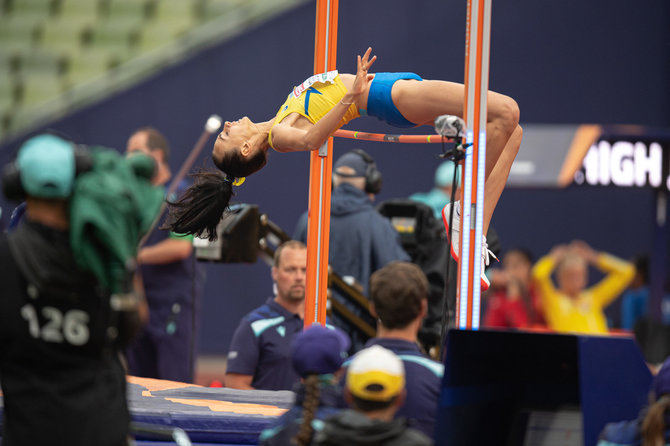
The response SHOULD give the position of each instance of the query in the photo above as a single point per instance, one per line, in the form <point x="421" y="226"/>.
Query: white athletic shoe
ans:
<point x="455" y="234"/>
<point x="455" y="238"/>
<point x="486" y="261"/>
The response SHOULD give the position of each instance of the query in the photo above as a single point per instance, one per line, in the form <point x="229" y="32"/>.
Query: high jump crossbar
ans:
<point x="320" y="172"/>
<point x="477" y="45"/>
<point x="386" y="137"/>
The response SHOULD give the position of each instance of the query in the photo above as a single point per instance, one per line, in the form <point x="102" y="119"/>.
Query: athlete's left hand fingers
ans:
<point x="366" y="61"/>
<point x="369" y="64"/>
<point x="367" y="54"/>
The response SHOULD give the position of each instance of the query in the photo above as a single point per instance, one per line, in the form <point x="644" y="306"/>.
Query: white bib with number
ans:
<point x="323" y="78"/>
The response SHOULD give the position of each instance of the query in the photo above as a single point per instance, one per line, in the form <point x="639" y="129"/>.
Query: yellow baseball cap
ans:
<point x="376" y="374"/>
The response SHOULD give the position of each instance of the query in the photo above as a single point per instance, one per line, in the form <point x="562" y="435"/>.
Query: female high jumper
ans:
<point x="324" y="103"/>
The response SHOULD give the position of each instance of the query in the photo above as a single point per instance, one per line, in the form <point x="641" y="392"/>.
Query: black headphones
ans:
<point x="373" y="177"/>
<point x="11" y="174"/>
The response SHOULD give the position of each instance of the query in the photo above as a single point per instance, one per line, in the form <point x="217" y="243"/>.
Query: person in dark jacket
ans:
<point x="361" y="239"/>
<point x="317" y="355"/>
<point x="375" y="390"/>
<point x="61" y="331"/>
<point x="652" y="427"/>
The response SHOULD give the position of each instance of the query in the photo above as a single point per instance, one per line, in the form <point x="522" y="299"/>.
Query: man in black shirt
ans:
<point x="62" y="380"/>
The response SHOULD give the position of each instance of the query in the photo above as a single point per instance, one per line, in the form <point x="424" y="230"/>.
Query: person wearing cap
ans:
<point x="399" y="301"/>
<point x="259" y="356"/>
<point x="172" y="282"/>
<point x="375" y="390"/>
<point x="317" y="355"/>
<point x="361" y="239"/>
<point x="440" y="194"/>
<point x="652" y="427"/>
<point x="60" y="335"/>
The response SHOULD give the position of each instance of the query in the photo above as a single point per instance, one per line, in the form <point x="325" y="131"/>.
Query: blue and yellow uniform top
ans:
<point x="314" y="98"/>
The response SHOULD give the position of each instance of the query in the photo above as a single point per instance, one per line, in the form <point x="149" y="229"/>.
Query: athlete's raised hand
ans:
<point x="362" y="76"/>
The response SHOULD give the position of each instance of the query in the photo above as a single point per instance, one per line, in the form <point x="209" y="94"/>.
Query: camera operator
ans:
<point x="60" y="337"/>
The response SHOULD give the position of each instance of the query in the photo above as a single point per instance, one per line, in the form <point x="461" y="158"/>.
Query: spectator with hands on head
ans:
<point x="572" y="306"/>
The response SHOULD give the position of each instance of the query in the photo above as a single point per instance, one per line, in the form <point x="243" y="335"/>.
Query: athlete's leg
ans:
<point x="498" y="177"/>
<point x="423" y="101"/>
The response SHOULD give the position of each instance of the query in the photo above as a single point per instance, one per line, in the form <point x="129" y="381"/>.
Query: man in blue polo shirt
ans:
<point x="260" y="352"/>
<point x="399" y="300"/>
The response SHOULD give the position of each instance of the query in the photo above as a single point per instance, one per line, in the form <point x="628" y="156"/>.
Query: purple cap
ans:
<point x="661" y="384"/>
<point x="319" y="350"/>
<point x="354" y="161"/>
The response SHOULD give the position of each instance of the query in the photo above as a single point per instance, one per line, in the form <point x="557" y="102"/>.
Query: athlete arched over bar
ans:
<point x="321" y="105"/>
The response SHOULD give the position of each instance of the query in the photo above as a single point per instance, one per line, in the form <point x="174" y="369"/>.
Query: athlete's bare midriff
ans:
<point x="348" y="81"/>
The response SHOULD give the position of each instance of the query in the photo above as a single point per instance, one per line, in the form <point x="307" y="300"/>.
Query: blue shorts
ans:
<point x="380" y="104"/>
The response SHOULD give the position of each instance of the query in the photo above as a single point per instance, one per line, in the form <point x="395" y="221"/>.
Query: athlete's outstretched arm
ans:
<point x="289" y="139"/>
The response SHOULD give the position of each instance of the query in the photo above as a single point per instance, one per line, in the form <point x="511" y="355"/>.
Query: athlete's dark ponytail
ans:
<point x="199" y="210"/>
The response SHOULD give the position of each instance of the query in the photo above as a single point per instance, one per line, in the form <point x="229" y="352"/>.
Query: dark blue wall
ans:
<point x="565" y="62"/>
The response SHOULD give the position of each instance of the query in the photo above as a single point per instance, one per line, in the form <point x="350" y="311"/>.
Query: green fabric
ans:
<point x="181" y="236"/>
<point x="111" y="208"/>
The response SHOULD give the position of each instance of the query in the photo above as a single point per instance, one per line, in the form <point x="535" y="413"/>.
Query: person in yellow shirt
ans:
<point x="572" y="307"/>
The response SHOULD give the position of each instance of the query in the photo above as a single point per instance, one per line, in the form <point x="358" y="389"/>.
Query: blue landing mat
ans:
<point x="218" y="416"/>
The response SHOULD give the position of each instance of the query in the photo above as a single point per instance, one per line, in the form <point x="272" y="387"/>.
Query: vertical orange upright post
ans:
<point x="321" y="165"/>
<point x="477" y="44"/>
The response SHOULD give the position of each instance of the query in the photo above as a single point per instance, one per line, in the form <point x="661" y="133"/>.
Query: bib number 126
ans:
<point x="70" y="327"/>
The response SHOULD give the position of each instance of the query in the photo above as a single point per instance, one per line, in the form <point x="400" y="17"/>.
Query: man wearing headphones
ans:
<point x="62" y="379"/>
<point x="361" y="239"/>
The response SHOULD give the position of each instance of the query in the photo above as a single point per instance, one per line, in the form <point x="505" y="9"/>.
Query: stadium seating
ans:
<point x="49" y="47"/>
